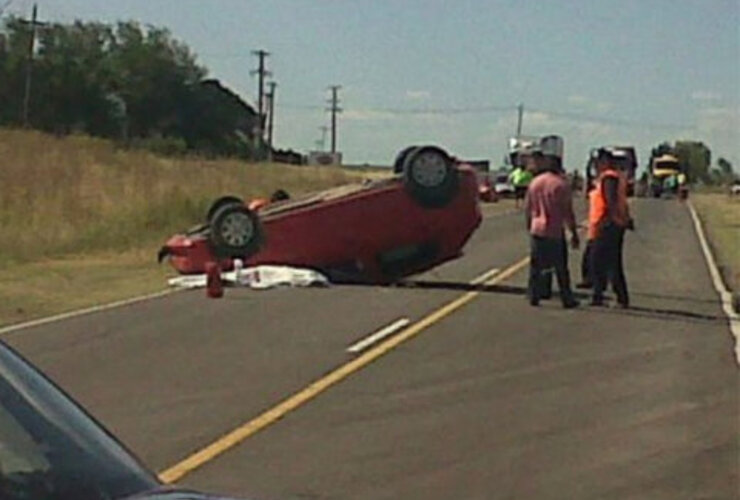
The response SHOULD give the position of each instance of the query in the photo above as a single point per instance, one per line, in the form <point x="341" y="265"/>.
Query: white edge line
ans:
<point x="485" y="277"/>
<point x="82" y="312"/>
<point x="379" y="335"/>
<point x="719" y="284"/>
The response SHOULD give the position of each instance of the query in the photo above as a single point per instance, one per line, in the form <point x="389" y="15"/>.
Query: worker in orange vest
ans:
<point x="587" y="275"/>
<point x="608" y="219"/>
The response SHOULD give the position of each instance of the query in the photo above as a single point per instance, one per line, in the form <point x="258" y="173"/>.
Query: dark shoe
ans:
<point x="597" y="302"/>
<point x="571" y="304"/>
<point x="623" y="305"/>
<point x="534" y="302"/>
<point x="584" y="285"/>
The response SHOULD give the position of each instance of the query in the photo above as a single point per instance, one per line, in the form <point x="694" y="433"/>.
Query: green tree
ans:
<point x="13" y="55"/>
<point x="73" y="74"/>
<point x="121" y="80"/>
<point x="152" y="73"/>
<point x="723" y="173"/>
<point x="695" y="159"/>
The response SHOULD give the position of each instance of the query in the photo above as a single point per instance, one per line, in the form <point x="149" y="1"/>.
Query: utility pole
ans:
<point x="334" y="110"/>
<point x="34" y="24"/>
<point x="520" y="108"/>
<point x="270" y="116"/>
<point x="261" y="73"/>
<point x="271" y="112"/>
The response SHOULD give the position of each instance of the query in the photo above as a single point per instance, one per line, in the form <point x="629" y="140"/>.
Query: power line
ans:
<point x="4" y="6"/>
<point x="444" y="111"/>
<point x="495" y="108"/>
<point x="611" y="120"/>
<point x="288" y="105"/>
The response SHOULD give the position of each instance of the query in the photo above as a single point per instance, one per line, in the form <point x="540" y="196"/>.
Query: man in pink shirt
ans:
<point x="549" y="210"/>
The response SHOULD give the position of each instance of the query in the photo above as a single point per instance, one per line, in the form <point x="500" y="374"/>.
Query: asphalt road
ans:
<point x="489" y="399"/>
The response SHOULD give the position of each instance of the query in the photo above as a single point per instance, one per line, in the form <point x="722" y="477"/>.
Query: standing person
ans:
<point x="608" y="219"/>
<point x="520" y="178"/>
<point x="549" y="208"/>
<point x="587" y="280"/>
<point x="683" y="187"/>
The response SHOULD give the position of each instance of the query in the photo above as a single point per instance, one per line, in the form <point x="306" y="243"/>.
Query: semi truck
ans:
<point x="663" y="173"/>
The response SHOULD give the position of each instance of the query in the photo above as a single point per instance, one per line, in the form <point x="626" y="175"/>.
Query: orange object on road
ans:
<point x="214" y="285"/>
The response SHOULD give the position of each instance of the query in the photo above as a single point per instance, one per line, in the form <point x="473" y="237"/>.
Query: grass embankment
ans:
<point x="720" y="214"/>
<point x="81" y="220"/>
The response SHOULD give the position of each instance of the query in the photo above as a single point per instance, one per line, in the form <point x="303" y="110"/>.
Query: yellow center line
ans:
<point x="274" y="414"/>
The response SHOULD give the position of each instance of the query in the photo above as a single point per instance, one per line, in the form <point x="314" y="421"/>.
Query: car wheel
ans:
<point x="401" y="158"/>
<point x="235" y="231"/>
<point x="222" y="202"/>
<point x="430" y="175"/>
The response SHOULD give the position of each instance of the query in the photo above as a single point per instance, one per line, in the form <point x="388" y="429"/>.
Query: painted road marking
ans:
<point x="485" y="277"/>
<point x="236" y="436"/>
<point x="378" y="336"/>
<point x="719" y="285"/>
<point x="82" y="312"/>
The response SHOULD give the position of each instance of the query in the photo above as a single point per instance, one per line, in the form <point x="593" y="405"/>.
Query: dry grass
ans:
<point x="78" y="194"/>
<point x="52" y="286"/>
<point x="80" y="221"/>
<point x="721" y="216"/>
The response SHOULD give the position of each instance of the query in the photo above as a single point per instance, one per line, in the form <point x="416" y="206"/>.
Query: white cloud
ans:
<point x="705" y="95"/>
<point x="418" y="95"/>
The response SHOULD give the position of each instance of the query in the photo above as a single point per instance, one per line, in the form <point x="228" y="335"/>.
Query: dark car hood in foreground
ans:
<point x="171" y="494"/>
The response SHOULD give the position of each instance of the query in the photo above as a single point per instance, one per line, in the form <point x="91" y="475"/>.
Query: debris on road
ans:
<point x="257" y="278"/>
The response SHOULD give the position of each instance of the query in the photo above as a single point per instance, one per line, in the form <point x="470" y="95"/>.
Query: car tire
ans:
<point x="401" y="158"/>
<point x="222" y="202"/>
<point x="235" y="231"/>
<point x="430" y="176"/>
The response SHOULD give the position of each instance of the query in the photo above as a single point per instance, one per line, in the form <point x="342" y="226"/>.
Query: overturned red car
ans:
<point x="377" y="232"/>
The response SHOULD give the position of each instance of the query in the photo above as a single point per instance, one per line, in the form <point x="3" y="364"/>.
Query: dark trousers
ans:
<point x="546" y="254"/>
<point x="607" y="264"/>
<point x="586" y="264"/>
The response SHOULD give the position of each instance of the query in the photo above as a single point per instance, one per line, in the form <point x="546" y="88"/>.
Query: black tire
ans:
<point x="401" y="158"/>
<point x="430" y="176"/>
<point x="222" y="202"/>
<point x="235" y="231"/>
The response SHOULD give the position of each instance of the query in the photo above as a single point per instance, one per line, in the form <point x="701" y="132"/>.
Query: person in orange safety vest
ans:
<point x="608" y="220"/>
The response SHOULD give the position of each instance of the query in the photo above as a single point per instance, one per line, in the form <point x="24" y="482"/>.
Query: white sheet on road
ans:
<point x="258" y="278"/>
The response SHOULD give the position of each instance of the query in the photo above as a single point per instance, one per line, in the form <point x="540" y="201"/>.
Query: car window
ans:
<point x="51" y="450"/>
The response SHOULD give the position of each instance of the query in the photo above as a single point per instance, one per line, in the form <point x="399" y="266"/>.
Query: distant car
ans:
<point x="735" y="188"/>
<point x="502" y="186"/>
<point x="51" y="449"/>
<point x="379" y="231"/>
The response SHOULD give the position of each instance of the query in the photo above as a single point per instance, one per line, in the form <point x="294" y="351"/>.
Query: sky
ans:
<point x="451" y="72"/>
